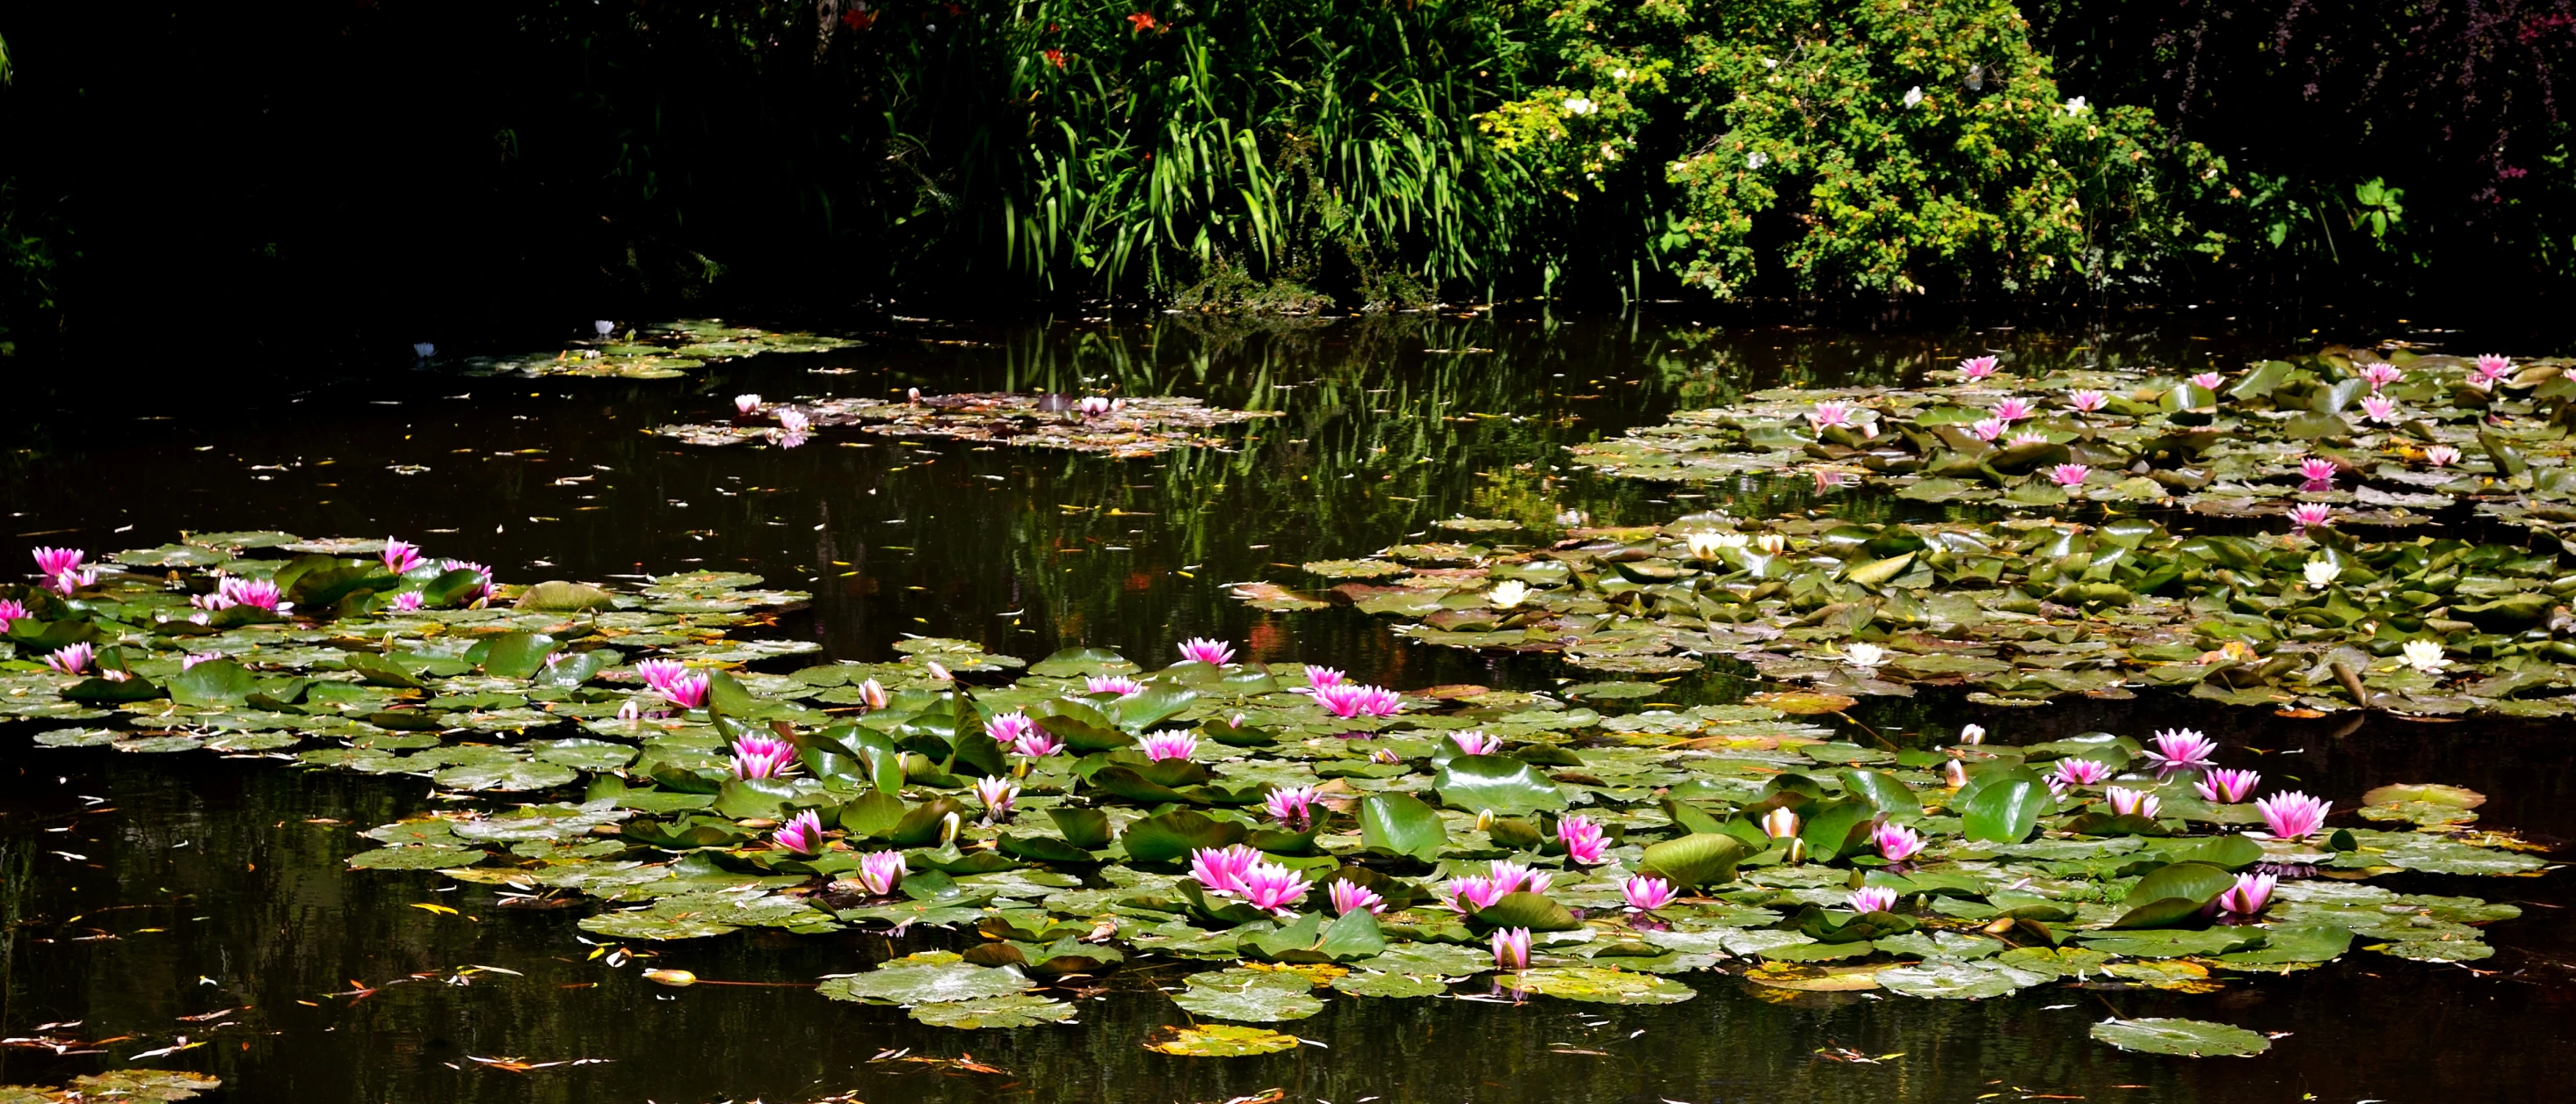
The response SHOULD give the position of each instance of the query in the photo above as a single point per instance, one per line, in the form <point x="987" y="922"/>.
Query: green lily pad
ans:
<point x="1599" y="985"/>
<point x="2186" y="1038"/>
<point x="1015" y="1010"/>
<point x="1951" y="979"/>
<point x="416" y="858"/>
<point x="1219" y="1041"/>
<point x="927" y="978"/>
<point x="1256" y="996"/>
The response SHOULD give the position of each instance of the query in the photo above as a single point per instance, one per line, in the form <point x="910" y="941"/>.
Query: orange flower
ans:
<point x="1141" y="21"/>
<point x="1055" y="58"/>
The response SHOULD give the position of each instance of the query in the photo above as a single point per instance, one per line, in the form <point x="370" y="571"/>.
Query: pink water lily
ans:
<point x="2251" y="894"/>
<point x="10" y="610"/>
<point x="2381" y="375"/>
<point x="257" y="593"/>
<point x="2208" y="380"/>
<point x="1320" y="678"/>
<point x="1349" y="897"/>
<point x="996" y="795"/>
<point x="1007" y="728"/>
<point x="1832" y="414"/>
<point x="1511" y="950"/>
<point x="2493" y="369"/>
<point x="1274" y="887"/>
<point x="1214" y="653"/>
<point x="1036" y="743"/>
<point x="2317" y="469"/>
<point x="762" y="756"/>
<point x="745" y="404"/>
<point x="407" y="602"/>
<point x="1585" y="845"/>
<point x="1977" y="368"/>
<point x="2089" y="401"/>
<point x="793" y="421"/>
<point x="2012" y="410"/>
<point x="2310" y="515"/>
<point x="1780" y="823"/>
<point x="1120" y="685"/>
<point x="73" y="582"/>
<point x="659" y="673"/>
<point x="55" y="561"/>
<point x="873" y="694"/>
<point x="2183" y="747"/>
<point x="1647" y="893"/>
<point x="1475" y="742"/>
<point x="1293" y="806"/>
<point x="1221" y="870"/>
<point x="482" y="589"/>
<point x="2069" y="475"/>
<point x="1171" y="744"/>
<point x="1512" y="877"/>
<point x="881" y="871"/>
<point x="2293" y="815"/>
<point x="1897" y="843"/>
<point x="2379" y="408"/>
<point x="2441" y="456"/>
<point x="2227" y="786"/>
<point x="802" y="835"/>
<point x="400" y="557"/>
<point x="71" y="659"/>
<point x="2078" y="772"/>
<point x="2128" y="802"/>
<point x="1869" y="899"/>
<point x="1471" y="892"/>
<point x="2026" y="437"/>
<point x="1385" y="756"/>
<point x="1987" y="429"/>
<point x="1352" y="699"/>
<point x="689" y="691"/>
<point x="192" y="659"/>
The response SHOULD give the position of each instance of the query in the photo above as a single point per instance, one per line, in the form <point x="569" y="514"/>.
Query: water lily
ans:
<point x="1120" y="685"/>
<point x="2012" y="410"/>
<point x="2293" y="815"/>
<point x="2182" y="747"/>
<point x="1036" y="743"/>
<point x="2320" y="573"/>
<point x="483" y="589"/>
<point x="2227" y="786"/>
<point x="2381" y="375"/>
<point x="1385" y="756"/>
<point x="2424" y="655"/>
<point x="689" y="691"/>
<point x="1350" y="897"/>
<point x="258" y="593"/>
<point x="2492" y="369"/>
<point x="1511" y="950"/>
<point x="1353" y="699"/>
<point x="603" y="326"/>
<point x="2310" y="515"/>
<point x="1867" y="657"/>
<point x="424" y="350"/>
<point x="746" y="404"/>
<point x="1508" y="593"/>
<point x="1475" y="742"/>
<point x="2208" y="381"/>
<point x="1221" y="870"/>
<point x="10" y="610"/>
<point x="2078" y="772"/>
<point x="2089" y="401"/>
<point x="1707" y="546"/>
<point x="1320" y="678"/>
<point x="1646" y="893"/>
<point x="1987" y="429"/>
<point x="802" y="835"/>
<point x="2128" y="802"/>
<point x="2248" y="897"/>
<point x="192" y="659"/>
<point x="793" y="420"/>
<point x="69" y="583"/>
<point x="881" y="871"/>
<point x="1511" y="877"/>
<point x="762" y="756"/>
<point x="1954" y="774"/>
<point x="71" y="659"/>
<point x="1771" y="544"/>
<point x="1977" y="368"/>
<point x="1469" y="893"/>
<point x="1897" y="843"/>
<point x="1214" y="653"/>
<point x="1781" y="823"/>
<point x="2441" y="456"/>
<point x="2069" y="475"/>
<point x="400" y="556"/>
<point x="631" y="712"/>
<point x="2317" y="469"/>
<point x="1972" y="734"/>
<point x="1293" y="806"/>
<point x="2379" y="408"/>
<point x="1170" y="744"/>
<point x="408" y="601"/>
<point x="659" y="673"/>
<point x="1093" y="406"/>
<point x="1831" y="414"/>
<point x="873" y="694"/>
<point x="1585" y="845"/>
<point x="1869" y="899"/>
<point x="996" y="795"/>
<point x="2026" y="437"/>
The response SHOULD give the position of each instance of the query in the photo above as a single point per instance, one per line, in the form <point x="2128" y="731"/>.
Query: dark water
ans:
<point x="207" y="884"/>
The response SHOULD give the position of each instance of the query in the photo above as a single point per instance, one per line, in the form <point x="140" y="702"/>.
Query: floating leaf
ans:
<point x="2188" y="1038"/>
<point x="1218" y="1041"/>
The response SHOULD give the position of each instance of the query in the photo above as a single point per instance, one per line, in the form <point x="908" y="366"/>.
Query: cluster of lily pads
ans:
<point x="1320" y="839"/>
<point x="128" y="1084"/>
<point x="2017" y="611"/>
<point x="662" y="350"/>
<point x="1120" y="427"/>
<point x="2344" y="436"/>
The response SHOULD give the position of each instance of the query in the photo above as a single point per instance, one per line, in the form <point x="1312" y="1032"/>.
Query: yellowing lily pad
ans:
<point x="1218" y="1041"/>
<point x="1599" y="985"/>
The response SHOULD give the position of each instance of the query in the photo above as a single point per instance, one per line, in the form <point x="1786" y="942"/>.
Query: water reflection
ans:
<point x="195" y="884"/>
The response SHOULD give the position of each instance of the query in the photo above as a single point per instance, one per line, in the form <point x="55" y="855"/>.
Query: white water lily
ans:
<point x="424" y="350"/>
<point x="603" y="326"/>
<point x="2425" y="656"/>
<point x="1771" y="544"/>
<point x="1864" y="656"/>
<point x="2320" y="573"/>
<point x="1507" y="593"/>
<point x="1706" y="546"/>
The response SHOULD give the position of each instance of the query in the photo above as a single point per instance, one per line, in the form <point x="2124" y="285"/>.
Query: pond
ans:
<point x="196" y="911"/>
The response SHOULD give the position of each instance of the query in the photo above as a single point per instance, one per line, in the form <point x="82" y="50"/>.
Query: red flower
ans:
<point x="1141" y="21"/>
<point x="859" y="20"/>
<point x="1055" y="58"/>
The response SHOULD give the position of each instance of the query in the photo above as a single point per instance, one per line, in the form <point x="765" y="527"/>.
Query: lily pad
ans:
<point x="1256" y="996"/>
<point x="1599" y="985"/>
<point x="2186" y="1038"/>
<point x="1218" y="1041"/>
